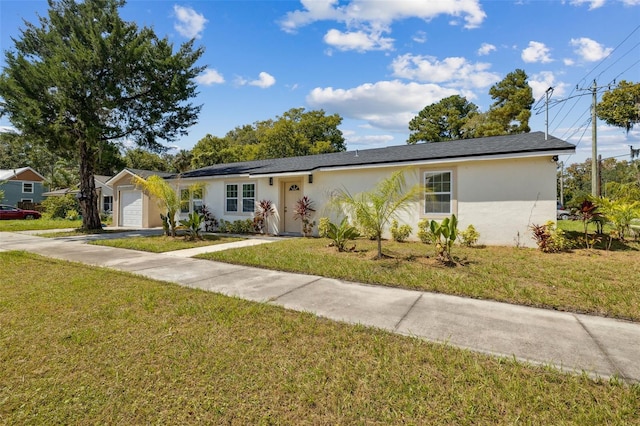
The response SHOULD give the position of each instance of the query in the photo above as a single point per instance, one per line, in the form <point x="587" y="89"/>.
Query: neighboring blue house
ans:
<point x="21" y="185"/>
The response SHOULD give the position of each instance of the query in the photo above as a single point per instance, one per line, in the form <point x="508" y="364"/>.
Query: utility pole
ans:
<point x="594" y="142"/>
<point x="595" y="179"/>
<point x="562" y="183"/>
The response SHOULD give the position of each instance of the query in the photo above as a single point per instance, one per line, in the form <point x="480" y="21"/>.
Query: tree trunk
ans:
<point x="88" y="197"/>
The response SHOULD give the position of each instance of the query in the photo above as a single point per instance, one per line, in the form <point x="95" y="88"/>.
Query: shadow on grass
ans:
<point x="601" y="242"/>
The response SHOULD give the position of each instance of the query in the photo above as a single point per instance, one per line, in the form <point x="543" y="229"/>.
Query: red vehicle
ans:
<point x="10" y="212"/>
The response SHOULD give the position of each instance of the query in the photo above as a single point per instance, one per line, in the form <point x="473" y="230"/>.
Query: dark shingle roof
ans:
<point x="491" y="146"/>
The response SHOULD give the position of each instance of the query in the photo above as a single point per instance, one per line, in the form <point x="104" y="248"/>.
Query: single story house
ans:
<point x="501" y="185"/>
<point x="22" y="185"/>
<point x="105" y="193"/>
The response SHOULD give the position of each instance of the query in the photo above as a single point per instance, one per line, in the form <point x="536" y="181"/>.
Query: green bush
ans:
<point x="424" y="232"/>
<point x="400" y="233"/>
<point x="549" y="238"/>
<point x="237" y="226"/>
<point x="469" y="236"/>
<point x="323" y="227"/>
<point x="58" y="207"/>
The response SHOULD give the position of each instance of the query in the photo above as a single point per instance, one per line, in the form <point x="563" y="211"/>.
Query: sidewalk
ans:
<point x="572" y="342"/>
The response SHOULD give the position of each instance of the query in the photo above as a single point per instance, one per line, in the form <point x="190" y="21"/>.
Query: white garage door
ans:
<point x="131" y="209"/>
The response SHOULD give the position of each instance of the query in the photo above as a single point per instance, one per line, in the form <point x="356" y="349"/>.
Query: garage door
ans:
<point x="131" y="209"/>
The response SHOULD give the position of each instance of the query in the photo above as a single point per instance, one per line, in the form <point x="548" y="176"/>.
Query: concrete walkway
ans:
<point x="572" y="342"/>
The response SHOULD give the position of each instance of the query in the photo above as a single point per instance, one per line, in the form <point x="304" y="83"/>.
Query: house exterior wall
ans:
<point x="13" y="192"/>
<point x="500" y="198"/>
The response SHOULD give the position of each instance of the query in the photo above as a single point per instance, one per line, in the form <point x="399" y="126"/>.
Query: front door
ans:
<point x="292" y="193"/>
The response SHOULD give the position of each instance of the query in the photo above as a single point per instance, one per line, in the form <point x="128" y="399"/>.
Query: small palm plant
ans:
<point x="340" y="234"/>
<point x="192" y="225"/>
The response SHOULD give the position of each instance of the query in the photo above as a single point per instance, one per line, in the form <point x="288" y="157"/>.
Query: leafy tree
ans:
<point x="456" y="118"/>
<point x="442" y="121"/>
<point x="139" y="158"/>
<point x="512" y="107"/>
<point x="621" y="106"/>
<point x="181" y="161"/>
<point x="374" y="210"/>
<point x="82" y="79"/>
<point x="208" y="151"/>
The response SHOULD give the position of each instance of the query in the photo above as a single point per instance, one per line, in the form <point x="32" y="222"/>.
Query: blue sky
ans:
<point x="378" y="63"/>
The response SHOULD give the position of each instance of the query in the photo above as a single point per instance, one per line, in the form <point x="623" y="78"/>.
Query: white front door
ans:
<point x="131" y="209"/>
<point x="292" y="193"/>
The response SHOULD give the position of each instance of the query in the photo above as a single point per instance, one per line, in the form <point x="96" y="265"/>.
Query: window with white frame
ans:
<point x="107" y="203"/>
<point x="240" y="197"/>
<point x="27" y="187"/>
<point x="197" y="200"/>
<point x="248" y="197"/>
<point x="439" y="192"/>
<point x="191" y="200"/>
<point x="184" y="201"/>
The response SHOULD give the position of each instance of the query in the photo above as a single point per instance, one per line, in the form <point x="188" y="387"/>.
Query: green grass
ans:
<point x="84" y="345"/>
<point x="161" y="243"/>
<point x="38" y="224"/>
<point x="590" y="281"/>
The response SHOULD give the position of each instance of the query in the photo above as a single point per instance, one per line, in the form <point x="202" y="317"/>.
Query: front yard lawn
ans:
<point x="85" y="345"/>
<point x="162" y="243"/>
<point x="38" y="224"/>
<point x="588" y="281"/>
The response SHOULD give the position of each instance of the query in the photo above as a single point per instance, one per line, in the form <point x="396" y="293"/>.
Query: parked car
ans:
<point x="562" y="214"/>
<point x="10" y="212"/>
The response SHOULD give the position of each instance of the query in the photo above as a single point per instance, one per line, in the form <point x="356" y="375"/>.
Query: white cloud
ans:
<point x="210" y="77"/>
<point x="590" y="50"/>
<point x="542" y="81"/>
<point x="486" y="48"/>
<point x="385" y="104"/>
<point x="357" y="40"/>
<point x="264" y="80"/>
<point x="376" y="17"/>
<point x="190" y="23"/>
<point x="631" y="2"/>
<point x="536" y="52"/>
<point x="593" y="4"/>
<point x="568" y="62"/>
<point x="421" y="36"/>
<point x="367" y="141"/>
<point x="454" y="71"/>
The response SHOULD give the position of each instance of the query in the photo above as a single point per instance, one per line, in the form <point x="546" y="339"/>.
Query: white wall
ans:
<point x="501" y="198"/>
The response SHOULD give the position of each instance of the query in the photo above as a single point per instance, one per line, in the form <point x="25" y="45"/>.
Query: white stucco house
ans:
<point x="502" y="185"/>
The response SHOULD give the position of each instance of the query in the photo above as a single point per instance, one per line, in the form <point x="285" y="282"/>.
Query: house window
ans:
<point x="439" y="193"/>
<point x="184" y="201"/>
<point x="248" y="197"/>
<point x="27" y="187"/>
<point x="240" y="196"/>
<point x="197" y="203"/>
<point x="191" y="200"/>
<point x="107" y="203"/>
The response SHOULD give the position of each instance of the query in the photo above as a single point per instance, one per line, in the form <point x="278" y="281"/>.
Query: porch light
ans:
<point x="310" y="178"/>
<point x="270" y="181"/>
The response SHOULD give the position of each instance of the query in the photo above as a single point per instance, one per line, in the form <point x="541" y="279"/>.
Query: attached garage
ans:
<point x="131" y="209"/>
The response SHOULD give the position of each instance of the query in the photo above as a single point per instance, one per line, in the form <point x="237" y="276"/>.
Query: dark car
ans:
<point x="10" y="212"/>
